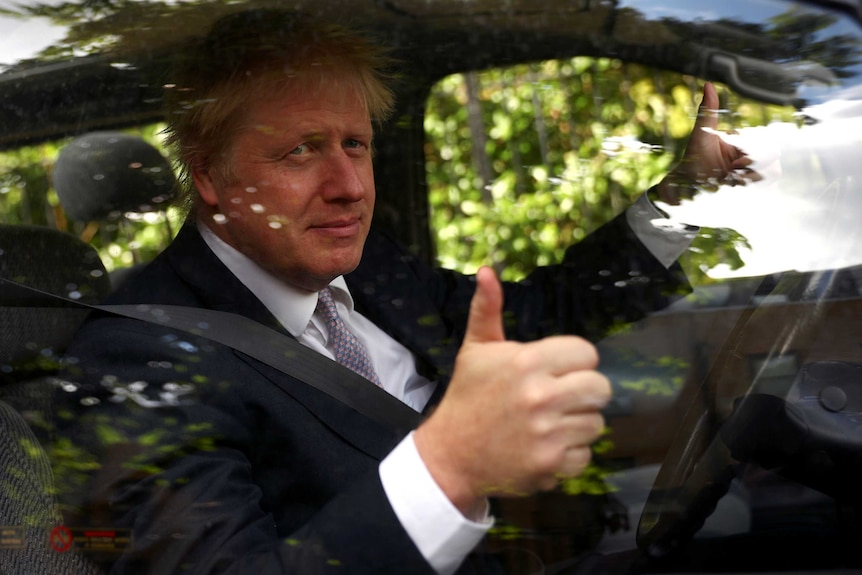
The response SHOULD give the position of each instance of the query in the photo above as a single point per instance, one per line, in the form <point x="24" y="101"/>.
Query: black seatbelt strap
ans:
<point x="252" y="338"/>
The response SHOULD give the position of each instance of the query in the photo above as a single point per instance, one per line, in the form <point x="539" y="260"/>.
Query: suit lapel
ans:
<point x="212" y="282"/>
<point x="388" y="293"/>
<point x="219" y="289"/>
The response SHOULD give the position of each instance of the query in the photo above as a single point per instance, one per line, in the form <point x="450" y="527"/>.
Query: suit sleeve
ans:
<point x="161" y="434"/>
<point x="608" y="279"/>
<point x="605" y="281"/>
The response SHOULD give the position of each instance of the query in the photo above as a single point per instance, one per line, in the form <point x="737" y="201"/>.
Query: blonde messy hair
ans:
<point x="250" y="54"/>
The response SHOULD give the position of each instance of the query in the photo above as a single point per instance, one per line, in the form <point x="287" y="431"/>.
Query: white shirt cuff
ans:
<point x="443" y="535"/>
<point x="664" y="238"/>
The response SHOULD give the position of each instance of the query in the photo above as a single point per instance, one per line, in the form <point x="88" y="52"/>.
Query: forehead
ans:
<point x="329" y="90"/>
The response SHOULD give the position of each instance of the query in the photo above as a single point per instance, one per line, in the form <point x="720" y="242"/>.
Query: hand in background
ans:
<point x="709" y="161"/>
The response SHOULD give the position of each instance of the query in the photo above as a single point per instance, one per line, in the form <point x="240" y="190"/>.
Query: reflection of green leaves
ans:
<point x="717" y="246"/>
<point x="24" y="185"/>
<point x="72" y="456"/>
<point x="151" y="438"/>
<point x="662" y="375"/>
<point x="108" y="434"/>
<point x="72" y="466"/>
<point x="96" y="26"/>
<point x="651" y="385"/>
<point x="592" y="481"/>
<point x="140" y="443"/>
<point x="197" y="428"/>
<point x="506" y="532"/>
<point x="142" y="468"/>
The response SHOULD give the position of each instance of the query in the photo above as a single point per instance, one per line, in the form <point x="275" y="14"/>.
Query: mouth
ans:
<point x="338" y="228"/>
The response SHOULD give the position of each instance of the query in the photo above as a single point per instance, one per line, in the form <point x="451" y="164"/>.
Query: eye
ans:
<point x="351" y="143"/>
<point x="299" y="150"/>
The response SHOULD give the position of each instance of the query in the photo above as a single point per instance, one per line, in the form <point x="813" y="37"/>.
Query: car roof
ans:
<point x="120" y="83"/>
<point x="108" y="72"/>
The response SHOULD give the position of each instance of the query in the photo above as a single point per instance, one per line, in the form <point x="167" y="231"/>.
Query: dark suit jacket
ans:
<point x="222" y="464"/>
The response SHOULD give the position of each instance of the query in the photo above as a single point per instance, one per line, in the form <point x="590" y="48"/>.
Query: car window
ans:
<point x="548" y="151"/>
<point x="86" y="199"/>
<point x="521" y="132"/>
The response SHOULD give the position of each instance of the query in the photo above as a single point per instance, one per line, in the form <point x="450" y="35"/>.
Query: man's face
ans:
<point x="301" y="195"/>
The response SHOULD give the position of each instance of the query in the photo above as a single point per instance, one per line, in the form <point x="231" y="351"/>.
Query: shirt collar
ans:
<point x="291" y="306"/>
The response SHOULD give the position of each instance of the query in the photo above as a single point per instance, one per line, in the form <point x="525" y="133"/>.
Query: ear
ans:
<point x="202" y="177"/>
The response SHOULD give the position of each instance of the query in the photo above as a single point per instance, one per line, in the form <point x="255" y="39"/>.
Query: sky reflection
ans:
<point x="804" y="214"/>
<point x="21" y="39"/>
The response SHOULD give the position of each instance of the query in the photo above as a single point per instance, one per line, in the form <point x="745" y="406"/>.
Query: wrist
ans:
<point x="672" y="189"/>
<point x="442" y="464"/>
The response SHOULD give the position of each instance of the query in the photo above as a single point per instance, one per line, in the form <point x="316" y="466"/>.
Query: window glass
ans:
<point x="124" y="231"/>
<point x="524" y="161"/>
<point x="527" y="160"/>
<point x="725" y="307"/>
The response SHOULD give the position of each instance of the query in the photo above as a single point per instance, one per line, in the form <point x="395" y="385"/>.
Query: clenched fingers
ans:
<point x="557" y="355"/>
<point x="574" y="392"/>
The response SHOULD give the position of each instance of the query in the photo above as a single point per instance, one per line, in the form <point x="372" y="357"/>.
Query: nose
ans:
<point x="347" y="178"/>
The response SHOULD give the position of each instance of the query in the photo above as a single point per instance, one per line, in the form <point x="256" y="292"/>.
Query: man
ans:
<point x="219" y="463"/>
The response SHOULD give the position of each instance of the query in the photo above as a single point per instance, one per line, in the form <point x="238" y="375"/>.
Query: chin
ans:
<point x="330" y="273"/>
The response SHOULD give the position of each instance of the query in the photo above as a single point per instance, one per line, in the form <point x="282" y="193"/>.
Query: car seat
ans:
<point x="103" y="176"/>
<point x="31" y="343"/>
<point x="51" y="261"/>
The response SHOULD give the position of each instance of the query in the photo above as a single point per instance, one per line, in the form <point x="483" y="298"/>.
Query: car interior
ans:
<point x="734" y="437"/>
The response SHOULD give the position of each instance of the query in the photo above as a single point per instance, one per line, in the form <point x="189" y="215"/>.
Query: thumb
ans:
<point x="485" y="323"/>
<point x="707" y="112"/>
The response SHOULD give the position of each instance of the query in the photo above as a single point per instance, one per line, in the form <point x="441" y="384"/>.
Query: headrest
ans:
<point x="101" y="175"/>
<point x="51" y="261"/>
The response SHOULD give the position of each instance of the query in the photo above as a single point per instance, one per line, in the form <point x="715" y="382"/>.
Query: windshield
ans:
<point x="256" y="201"/>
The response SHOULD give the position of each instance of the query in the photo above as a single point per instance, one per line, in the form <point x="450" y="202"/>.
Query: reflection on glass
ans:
<point x="523" y="161"/>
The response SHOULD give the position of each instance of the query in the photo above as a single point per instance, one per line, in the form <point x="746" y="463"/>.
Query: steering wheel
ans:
<point x="695" y="474"/>
<point x="816" y="414"/>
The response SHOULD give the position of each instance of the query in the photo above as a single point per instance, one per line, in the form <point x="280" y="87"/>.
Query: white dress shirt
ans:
<point x="441" y="533"/>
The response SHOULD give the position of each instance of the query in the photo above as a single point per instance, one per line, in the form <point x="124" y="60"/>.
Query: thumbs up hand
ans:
<point x="710" y="159"/>
<point x="516" y="416"/>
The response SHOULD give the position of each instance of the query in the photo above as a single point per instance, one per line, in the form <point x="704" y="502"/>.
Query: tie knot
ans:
<point x="346" y="348"/>
<point x="326" y="305"/>
<point x="325" y="302"/>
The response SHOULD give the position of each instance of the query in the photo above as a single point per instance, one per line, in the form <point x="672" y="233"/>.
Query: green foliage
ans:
<point x="522" y="162"/>
<point x="556" y="161"/>
<point x="24" y="185"/>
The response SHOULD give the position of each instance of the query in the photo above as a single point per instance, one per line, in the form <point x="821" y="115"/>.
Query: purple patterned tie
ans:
<point x="349" y="351"/>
